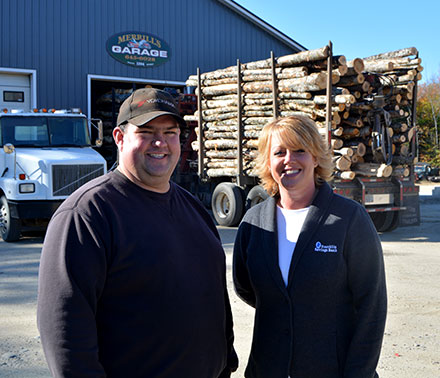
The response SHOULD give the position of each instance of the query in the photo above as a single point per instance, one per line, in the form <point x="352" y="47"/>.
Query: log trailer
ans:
<point x="365" y="109"/>
<point x="45" y="156"/>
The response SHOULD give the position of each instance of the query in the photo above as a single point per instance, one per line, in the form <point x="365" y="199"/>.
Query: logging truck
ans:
<point x="364" y="108"/>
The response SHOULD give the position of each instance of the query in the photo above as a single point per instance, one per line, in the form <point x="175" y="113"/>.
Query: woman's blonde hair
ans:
<point x="297" y="132"/>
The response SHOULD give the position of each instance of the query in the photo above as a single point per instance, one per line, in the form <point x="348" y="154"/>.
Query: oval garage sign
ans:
<point x="138" y="49"/>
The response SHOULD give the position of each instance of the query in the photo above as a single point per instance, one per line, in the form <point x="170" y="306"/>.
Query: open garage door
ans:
<point x="106" y="96"/>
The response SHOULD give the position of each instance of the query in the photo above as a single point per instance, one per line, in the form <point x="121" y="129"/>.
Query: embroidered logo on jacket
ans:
<point x="319" y="247"/>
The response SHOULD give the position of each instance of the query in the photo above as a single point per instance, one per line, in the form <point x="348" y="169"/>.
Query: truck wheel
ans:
<point x="256" y="195"/>
<point x="9" y="227"/>
<point x="385" y="221"/>
<point x="227" y="204"/>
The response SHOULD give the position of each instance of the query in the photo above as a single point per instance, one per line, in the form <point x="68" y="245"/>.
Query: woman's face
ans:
<point x="292" y="169"/>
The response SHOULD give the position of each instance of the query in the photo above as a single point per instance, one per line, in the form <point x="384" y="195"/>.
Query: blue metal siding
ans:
<point x="65" y="40"/>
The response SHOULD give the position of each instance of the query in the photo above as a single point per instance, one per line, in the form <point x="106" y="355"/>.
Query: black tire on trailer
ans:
<point x="9" y="227"/>
<point x="385" y="221"/>
<point x="256" y="195"/>
<point x="394" y="221"/>
<point x="227" y="204"/>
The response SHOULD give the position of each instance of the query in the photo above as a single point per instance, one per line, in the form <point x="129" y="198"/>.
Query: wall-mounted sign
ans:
<point x="138" y="49"/>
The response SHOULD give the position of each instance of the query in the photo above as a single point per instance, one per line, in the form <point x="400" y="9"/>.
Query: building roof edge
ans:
<point x="262" y="24"/>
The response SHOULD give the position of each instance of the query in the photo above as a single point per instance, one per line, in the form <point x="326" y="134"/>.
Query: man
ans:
<point x="132" y="275"/>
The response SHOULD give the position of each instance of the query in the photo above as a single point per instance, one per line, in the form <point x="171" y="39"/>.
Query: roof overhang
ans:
<point x="262" y="24"/>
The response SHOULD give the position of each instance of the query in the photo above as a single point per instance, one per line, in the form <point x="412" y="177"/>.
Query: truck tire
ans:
<point x="227" y="204"/>
<point x="9" y="227"/>
<point x="385" y="221"/>
<point x="256" y="195"/>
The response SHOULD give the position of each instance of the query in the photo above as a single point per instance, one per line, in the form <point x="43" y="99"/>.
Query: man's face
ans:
<point x="148" y="154"/>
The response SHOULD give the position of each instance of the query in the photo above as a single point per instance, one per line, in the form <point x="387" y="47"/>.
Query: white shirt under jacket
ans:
<point x="289" y="225"/>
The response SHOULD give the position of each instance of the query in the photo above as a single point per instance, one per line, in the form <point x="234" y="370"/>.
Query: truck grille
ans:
<point x="68" y="178"/>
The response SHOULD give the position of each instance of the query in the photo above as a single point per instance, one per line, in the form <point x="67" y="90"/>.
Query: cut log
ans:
<point x="337" y="99"/>
<point x="312" y="82"/>
<point x="219" y="117"/>
<point x="256" y="101"/>
<point x="344" y="151"/>
<point x="372" y="169"/>
<point x="357" y="159"/>
<point x="336" y="143"/>
<point x="398" y="138"/>
<point x="337" y="131"/>
<point x="288" y="113"/>
<point x="229" y="154"/>
<point x="220" y="135"/>
<point x="228" y="172"/>
<point x="340" y="91"/>
<point x="292" y="72"/>
<point x="225" y="122"/>
<point x="321" y="65"/>
<point x="402" y="149"/>
<point x="357" y="64"/>
<point x="258" y="113"/>
<point x="219" y="128"/>
<point x="264" y="108"/>
<point x="401" y="171"/>
<point x="347" y="81"/>
<point x="342" y="70"/>
<point x="394" y="54"/>
<point x="251" y="143"/>
<point x="305" y="95"/>
<point x="345" y="175"/>
<point x="303" y="56"/>
<point x="215" y="111"/>
<point x="342" y="163"/>
<point x="357" y="145"/>
<point x="216" y="90"/>
<point x="220" y="144"/>
<point x="214" y="104"/>
<point x="353" y="121"/>
<point x="190" y="118"/>
<point x="378" y="65"/>
<point x="411" y="133"/>
<point x="257" y="120"/>
<point x="335" y="77"/>
<point x="350" y="132"/>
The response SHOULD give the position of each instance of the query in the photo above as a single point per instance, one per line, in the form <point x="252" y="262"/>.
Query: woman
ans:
<point x="311" y="264"/>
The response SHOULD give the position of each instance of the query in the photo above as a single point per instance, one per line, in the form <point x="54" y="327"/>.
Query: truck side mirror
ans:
<point x="9" y="148"/>
<point x="99" y="140"/>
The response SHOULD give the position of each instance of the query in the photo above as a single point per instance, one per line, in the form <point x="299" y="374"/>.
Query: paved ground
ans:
<point x="412" y="340"/>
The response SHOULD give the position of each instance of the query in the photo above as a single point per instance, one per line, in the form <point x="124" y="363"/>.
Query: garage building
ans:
<point x="89" y="54"/>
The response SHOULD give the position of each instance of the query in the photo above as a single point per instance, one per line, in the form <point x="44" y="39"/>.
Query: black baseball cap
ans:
<point x="146" y="104"/>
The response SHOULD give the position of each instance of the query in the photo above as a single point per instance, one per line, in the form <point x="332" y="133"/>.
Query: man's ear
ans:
<point x="118" y="136"/>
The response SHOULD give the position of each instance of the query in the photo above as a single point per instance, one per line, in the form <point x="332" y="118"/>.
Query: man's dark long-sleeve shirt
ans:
<point x="132" y="284"/>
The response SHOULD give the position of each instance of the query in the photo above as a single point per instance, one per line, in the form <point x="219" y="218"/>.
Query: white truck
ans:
<point x="45" y="156"/>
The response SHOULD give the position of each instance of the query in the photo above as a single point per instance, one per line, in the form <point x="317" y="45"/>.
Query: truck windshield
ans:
<point x="45" y="131"/>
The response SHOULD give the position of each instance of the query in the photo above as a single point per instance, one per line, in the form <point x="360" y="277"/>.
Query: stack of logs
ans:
<point x="361" y="88"/>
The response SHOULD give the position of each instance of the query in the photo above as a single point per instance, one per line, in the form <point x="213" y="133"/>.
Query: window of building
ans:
<point x="13" y="96"/>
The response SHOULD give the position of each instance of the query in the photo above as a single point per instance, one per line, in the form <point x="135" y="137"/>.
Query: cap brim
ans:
<point x="144" y="118"/>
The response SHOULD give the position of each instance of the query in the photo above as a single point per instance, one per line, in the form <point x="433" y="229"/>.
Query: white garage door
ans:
<point x="15" y="91"/>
